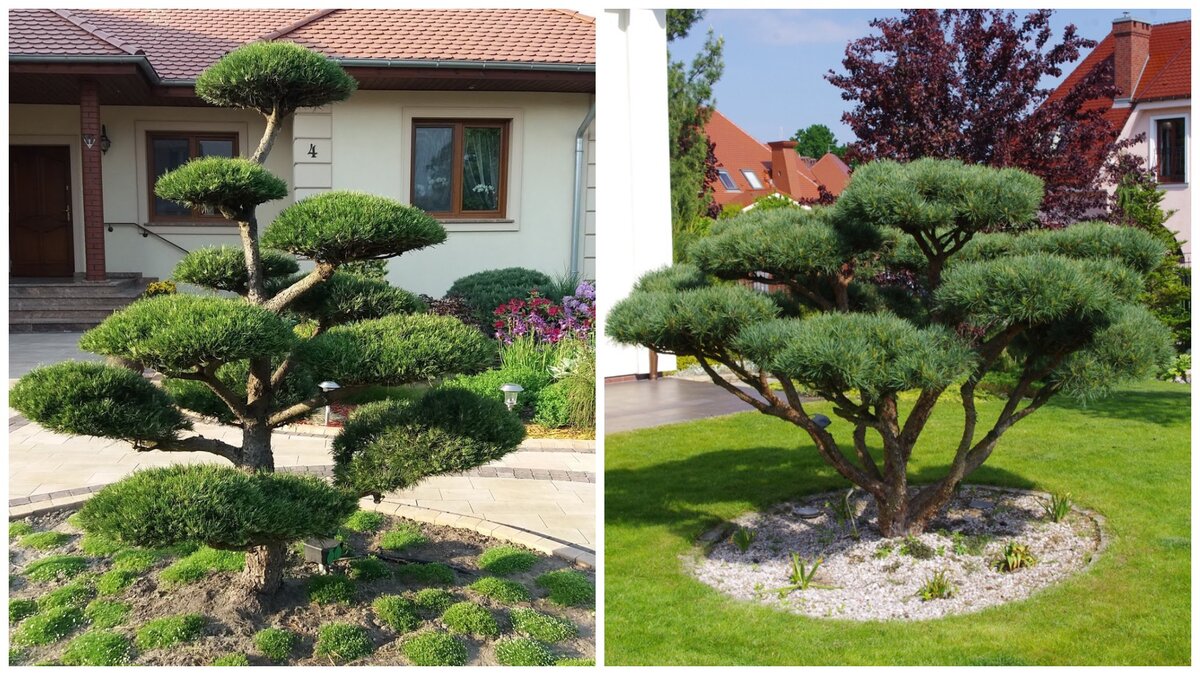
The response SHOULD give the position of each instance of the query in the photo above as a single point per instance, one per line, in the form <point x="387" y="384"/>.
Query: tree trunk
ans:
<point x="256" y="447"/>
<point x="893" y="517"/>
<point x="264" y="568"/>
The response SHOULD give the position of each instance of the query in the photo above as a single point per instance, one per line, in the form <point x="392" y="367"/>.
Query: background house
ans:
<point x="102" y="101"/>
<point x="1152" y="67"/>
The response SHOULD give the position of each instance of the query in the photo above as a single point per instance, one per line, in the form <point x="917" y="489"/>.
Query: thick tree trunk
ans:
<point x="264" y="568"/>
<point x="256" y="447"/>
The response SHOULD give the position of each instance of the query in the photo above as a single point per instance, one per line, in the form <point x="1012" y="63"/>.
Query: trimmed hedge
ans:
<point x="232" y="186"/>
<point x="347" y="297"/>
<point x="223" y="268"/>
<point x="485" y="291"/>
<point x="274" y="77"/>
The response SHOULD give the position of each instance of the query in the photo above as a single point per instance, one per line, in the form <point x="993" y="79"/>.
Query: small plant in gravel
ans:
<point x="800" y="575"/>
<point x="883" y="550"/>
<point x="434" y="600"/>
<point x="275" y="643"/>
<point x="521" y="651"/>
<point x="106" y="613"/>
<point x="364" y="521"/>
<point x="915" y="548"/>
<point x="743" y="538"/>
<point x="44" y="541"/>
<point x="369" y="569"/>
<point x="203" y="562"/>
<point x="19" y="529"/>
<point x="19" y="608"/>
<point x="231" y="660"/>
<point x="937" y="587"/>
<point x="114" y="581"/>
<point x="568" y="587"/>
<point x="343" y="642"/>
<point x="501" y="590"/>
<point x="99" y="545"/>
<point x="98" y="648"/>
<point x="327" y="589"/>
<point x="402" y="537"/>
<point x="1058" y="506"/>
<point x="48" y="626"/>
<point x="75" y="594"/>
<point x="575" y="662"/>
<point x="844" y="512"/>
<point x="397" y="613"/>
<point x="541" y="626"/>
<point x="1014" y="557"/>
<point x="470" y="618"/>
<point x="170" y="630"/>
<point x="426" y="573"/>
<point x="435" y="649"/>
<point x="56" y="567"/>
<point x="505" y="560"/>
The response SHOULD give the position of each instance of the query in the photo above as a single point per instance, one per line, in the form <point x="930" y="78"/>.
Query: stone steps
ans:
<point x="67" y="305"/>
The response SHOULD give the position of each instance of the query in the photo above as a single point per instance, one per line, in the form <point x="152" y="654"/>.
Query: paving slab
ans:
<point x="650" y="403"/>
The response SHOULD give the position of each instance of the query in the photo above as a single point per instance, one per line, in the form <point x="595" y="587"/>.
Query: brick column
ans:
<point x="93" y="182"/>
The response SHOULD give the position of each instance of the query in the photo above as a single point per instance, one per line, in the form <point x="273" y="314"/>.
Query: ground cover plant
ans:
<point x="666" y="486"/>
<point x="923" y="277"/>
<point x="255" y="361"/>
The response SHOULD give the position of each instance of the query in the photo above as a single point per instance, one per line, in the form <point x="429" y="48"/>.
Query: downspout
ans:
<point x="580" y="188"/>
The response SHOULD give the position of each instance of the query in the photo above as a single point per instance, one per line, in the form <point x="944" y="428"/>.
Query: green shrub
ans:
<point x="347" y="297"/>
<point x="275" y="643"/>
<point x="543" y="627"/>
<point x="56" y="567"/>
<point x="344" y="226"/>
<point x="203" y="562"/>
<point x="507" y="592"/>
<point x="232" y="186"/>
<point x="94" y="399"/>
<point x="106" y="613"/>
<point x="99" y="545"/>
<point x="170" y="630"/>
<point x="343" y="642"/>
<point x="575" y="662"/>
<point x="470" y="618"/>
<point x="75" y="594"/>
<point x="369" y="569"/>
<point x="223" y="268"/>
<point x="434" y="600"/>
<point x="231" y="660"/>
<point x="400" y="614"/>
<point x="364" y="521"/>
<point x="48" y="626"/>
<point x="18" y="529"/>
<point x="568" y="587"/>
<point x="19" y="608"/>
<point x="402" y="537"/>
<point x="220" y="505"/>
<point x="1014" y="557"/>
<point x="328" y="589"/>
<point x="136" y="560"/>
<point x="426" y="573"/>
<point x="506" y="560"/>
<point x="484" y="291"/>
<point x="937" y="587"/>
<point x="580" y="383"/>
<point x="523" y="652"/>
<point x="554" y="405"/>
<point x="274" y="77"/>
<point x="98" y="648"/>
<point x="44" y="541"/>
<point x="114" y="581"/>
<point x="435" y="649"/>
<point x="487" y="385"/>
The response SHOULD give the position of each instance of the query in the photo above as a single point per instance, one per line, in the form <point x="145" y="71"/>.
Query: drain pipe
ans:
<point x="580" y="188"/>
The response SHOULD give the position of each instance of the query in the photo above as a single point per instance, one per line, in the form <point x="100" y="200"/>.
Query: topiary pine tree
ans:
<point x="919" y="278"/>
<point x="254" y="361"/>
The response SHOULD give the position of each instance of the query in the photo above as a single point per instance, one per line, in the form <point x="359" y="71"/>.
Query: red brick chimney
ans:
<point x="1131" y="50"/>
<point x="785" y="163"/>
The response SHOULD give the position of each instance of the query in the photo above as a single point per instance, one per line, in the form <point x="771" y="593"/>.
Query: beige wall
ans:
<point x="370" y="145"/>
<point x="1178" y="196"/>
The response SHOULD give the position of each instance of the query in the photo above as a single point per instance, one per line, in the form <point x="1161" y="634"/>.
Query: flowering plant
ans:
<point x="546" y="321"/>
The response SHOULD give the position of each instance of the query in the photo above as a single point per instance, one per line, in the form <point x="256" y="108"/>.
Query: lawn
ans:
<point x="1126" y="456"/>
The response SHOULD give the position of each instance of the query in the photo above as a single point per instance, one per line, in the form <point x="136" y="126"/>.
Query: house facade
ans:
<point x="484" y="118"/>
<point x="1151" y="67"/>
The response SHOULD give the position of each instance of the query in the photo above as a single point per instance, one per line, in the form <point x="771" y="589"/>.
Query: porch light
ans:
<point x="105" y="144"/>
<point x="326" y="387"/>
<point x="510" y="394"/>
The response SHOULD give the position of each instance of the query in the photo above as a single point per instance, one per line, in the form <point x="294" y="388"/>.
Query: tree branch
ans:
<point x="268" y="137"/>
<point x="288" y="295"/>
<point x="197" y="444"/>
<point x="320" y="400"/>
<point x="864" y="454"/>
<point x="208" y="376"/>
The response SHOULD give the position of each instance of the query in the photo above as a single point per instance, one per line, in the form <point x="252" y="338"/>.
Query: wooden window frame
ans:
<point x="193" y="138"/>
<point x="1158" y="150"/>
<point x="458" y="126"/>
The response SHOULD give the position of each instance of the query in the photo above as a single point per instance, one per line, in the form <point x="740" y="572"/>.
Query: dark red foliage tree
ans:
<point x="967" y="84"/>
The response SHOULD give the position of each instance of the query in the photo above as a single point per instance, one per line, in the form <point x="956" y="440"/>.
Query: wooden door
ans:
<point x="40" y="231"/>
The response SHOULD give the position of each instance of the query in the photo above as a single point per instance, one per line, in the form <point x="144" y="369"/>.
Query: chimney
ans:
<point x="1131" y="50"/>
<point x="785" y="163"/>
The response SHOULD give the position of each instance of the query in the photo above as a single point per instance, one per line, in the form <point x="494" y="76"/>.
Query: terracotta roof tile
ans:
<point x="33" y="32"/>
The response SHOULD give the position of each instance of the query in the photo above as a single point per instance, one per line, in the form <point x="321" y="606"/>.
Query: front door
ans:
<point x="40" y="232"/>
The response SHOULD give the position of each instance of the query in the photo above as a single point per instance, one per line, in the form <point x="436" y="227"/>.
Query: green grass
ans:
<point x="44" y="541"/>
<point x="75" y="594"/>
<point x="575" y="662"/>
<point x="505" y="560"/>
<point x="342" y="642"/>
<point x="1126" y="457"/>
<point x="106" y="613"/>
<point x="501" y="590"/>
<point x="469" y="618"/>
<point x="568" y="587"/>
<point x="136" y="560"/>
<point x="98" y="648"/>
<point x="231" y="660"/>
<point x="402" y="537"/>
<point x="203" y="562"/>
<point x="543" y="627"/>
<point x="170" y="630"/>
<point x="20" y="608"/>
<point x="99" y="545"/>
<point x="435" y="649"/>
<point x="369" y="569"/>
<point x="434" y="600"/>
<point x="364" y="521"/>
<point x="328" y="589"/>
<point x="398" y="613"/>
<point x="275" y="643"/>
<point x="522" y="651"/>
<point x="114" y="581"/>
<point x="426" y="573"/>
<point x="48" y="626"/>
<point x="56" y="567"/>
<point x="17" y="529"/>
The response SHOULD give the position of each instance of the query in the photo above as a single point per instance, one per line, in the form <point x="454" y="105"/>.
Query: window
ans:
<point x="459" y="167"/>
<point x="727" y="180"/>
<point x="169" y="150"/>
<point x="752" y="179"/>
<point x="1171" y="154"/>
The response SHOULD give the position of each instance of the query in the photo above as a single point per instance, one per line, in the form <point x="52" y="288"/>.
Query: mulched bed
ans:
<point x="229" y="628"/>
<point x="866" y="577"/>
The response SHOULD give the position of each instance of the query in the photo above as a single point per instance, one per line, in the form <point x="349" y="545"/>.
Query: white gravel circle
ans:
<point x="857" y="580"/>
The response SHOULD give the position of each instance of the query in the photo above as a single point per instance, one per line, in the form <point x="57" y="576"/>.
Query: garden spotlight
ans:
<point x="326" y="387"/>
<point x="510" y="394"/>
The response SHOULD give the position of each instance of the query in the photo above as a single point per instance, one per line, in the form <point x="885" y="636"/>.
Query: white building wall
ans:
<point x="1178" y="195"/>
<point x="633" y="168"/>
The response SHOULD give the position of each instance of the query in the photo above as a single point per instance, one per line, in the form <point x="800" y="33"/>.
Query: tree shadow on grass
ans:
<point x="1165" y="408"/>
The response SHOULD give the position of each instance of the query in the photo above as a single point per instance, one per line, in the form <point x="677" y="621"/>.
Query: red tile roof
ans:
<point x="737" y="150"/>
<point x="180" y="43"/>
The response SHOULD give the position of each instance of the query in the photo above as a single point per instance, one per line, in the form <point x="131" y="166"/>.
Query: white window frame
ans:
<point x="752" y="178"/>
<point x="730" y="186"/>
<point x="1152" y="147"/>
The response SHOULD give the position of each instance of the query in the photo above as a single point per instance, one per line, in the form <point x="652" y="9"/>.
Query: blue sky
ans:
<point x="775" y="61"/>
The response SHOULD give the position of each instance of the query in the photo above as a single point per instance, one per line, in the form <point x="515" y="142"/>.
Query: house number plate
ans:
<point x="312" y="151"/>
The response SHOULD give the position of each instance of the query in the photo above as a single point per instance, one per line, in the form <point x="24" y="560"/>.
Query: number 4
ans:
<point x="312" y="149"/>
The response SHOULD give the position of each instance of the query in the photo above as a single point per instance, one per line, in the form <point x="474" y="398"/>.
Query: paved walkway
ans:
<point x="28" y="350"/>
<point x="650" y="403"/>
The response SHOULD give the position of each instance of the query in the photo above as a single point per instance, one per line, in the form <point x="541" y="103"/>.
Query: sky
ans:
<point x="775" y="61"/>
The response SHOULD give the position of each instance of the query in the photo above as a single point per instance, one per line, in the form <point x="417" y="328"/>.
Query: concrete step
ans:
<point x="66" y="305"/>
<point x="122" y="288"/>
<point x="109" y="303"/>
<point x="82" y="315"/>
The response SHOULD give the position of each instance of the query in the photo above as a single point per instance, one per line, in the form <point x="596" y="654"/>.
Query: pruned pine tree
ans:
<point x="921" y="278"/>
<point x="254" y="361"/>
